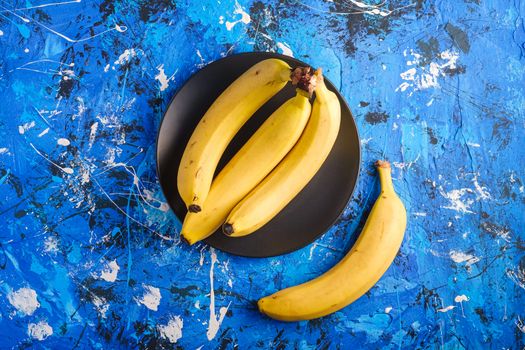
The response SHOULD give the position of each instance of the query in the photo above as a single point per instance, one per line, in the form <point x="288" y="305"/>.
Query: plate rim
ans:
<point x="270" y="55"/>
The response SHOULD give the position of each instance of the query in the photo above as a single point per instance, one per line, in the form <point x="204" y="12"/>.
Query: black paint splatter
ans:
<point x="376" y="117"/>
<point x="459" y="37"/>
<point x="149" y="9"/>
<point x="482" y="316"/>
<point x="429" y="50"/>
<point x="65" y="87"/>
<point x="431" y="136"/>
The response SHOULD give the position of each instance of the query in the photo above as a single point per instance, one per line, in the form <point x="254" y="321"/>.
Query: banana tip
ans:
<point x="227" y="229"/>
<point x="186" y="240"/>
<point x="194" y="208"/>
<point x="260" y="305"/>
<point x="382" y="164"/>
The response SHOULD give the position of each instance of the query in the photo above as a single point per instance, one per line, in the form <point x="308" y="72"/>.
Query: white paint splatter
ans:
<point x="81" y="108"/>
<point x="230" y="283"/>
<point x="520" y="324"/>
<point x="285" y="49"/>
<point x="483" y="193"/>
<point x="1" y="33"/>
<point x="409" y="74"/>
<point x="120" y="29"/>
<point x="110" y="271"/>
<point x="461" y="298"/>
<point x="26" y="50"/>
<point x="456" y="201"/>
<point x="424" y="77"/>
<point x="51" y="245"/>
<point x="151" y="297"/>
<point x="215" y="322"/>
<point x="110" y="156"/>
<point x="461" y="257"/>
<point x="494" y="230"/>
<point x="245" y="17"/>
<point x="101" y="305"/>
<point x="366" y="141"/>
<point x="106" y="68"/>
<point x="517" y="276"/>
<point x="407" y="165"/>
<point x="429" y="103"/>
<point x="66" y="170"/>
<point x="92" y="134"/>
<point x="26" y="20"/>
<point x="85" y="175"/>
<point x="419" y="214"/>
<point x="46" y="130"/>
<point x="472" y="144"/>
<point x="197" y="304"/>
<point x="310" y="256"/>
<point x="127" y="55"/>
<point x="446" y="309"/>
<point x="162" y="78"/>
<point x="403" y="86"/>
<point x="24" y="300"/>
<point x="388" y="309"/>
<point x="4" y="150"/>
<point x="173" y="330"/>
<point x="201" y="258"/>
<point x="26" y="126"/>
<point x="40" y="330"/>
<point x="63" y="142"/>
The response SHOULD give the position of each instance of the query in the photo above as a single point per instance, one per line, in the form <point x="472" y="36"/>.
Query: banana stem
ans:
<point x="305" y="79"/>
<point x="385" y="176"/>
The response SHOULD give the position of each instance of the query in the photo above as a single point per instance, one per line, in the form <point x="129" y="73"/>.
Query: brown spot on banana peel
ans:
<point x="194" y="208"/>
<point x="197" y="174"/>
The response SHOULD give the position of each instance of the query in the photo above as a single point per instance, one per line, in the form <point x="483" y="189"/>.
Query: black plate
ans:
<point x="304" y="219"/>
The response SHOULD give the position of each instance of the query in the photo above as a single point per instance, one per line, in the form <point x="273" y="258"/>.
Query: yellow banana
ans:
<point x="359" y="270"/>
<point x="221" y="122"/>
<point x="261" y="153"/>
<point x="294" y="172"/>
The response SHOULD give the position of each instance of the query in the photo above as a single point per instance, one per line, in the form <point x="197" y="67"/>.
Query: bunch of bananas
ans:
<point x="274" y="165"/>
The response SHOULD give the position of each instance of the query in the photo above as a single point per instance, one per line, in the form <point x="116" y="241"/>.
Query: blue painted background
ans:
<point x="90" y="255"/>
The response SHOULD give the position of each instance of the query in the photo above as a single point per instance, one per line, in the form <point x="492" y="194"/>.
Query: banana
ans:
<point x="261" y="153"/>
<point x="221" y="122"/>
<point x="296" y="169"/>
<point x="359" y="270"/>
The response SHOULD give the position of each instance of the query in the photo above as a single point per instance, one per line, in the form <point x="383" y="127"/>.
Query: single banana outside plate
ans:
<point x="295" y="171"/>
<point x="261" y="153"/>
<point x="357" y="272"/>
<point x="221" y="122"/>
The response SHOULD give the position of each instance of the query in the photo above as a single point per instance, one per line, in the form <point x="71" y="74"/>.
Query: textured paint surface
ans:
<point x="90" y="255"/>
